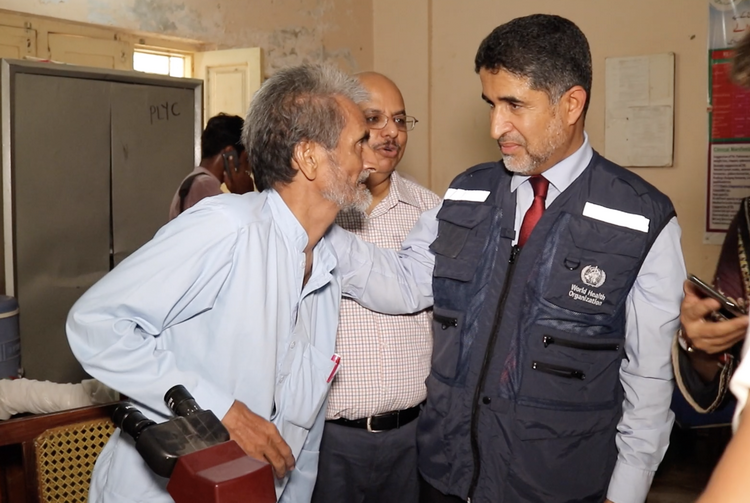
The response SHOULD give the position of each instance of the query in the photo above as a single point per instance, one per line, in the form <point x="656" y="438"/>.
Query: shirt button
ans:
<point x="281" y="379"/>
<point x="291" y="346"/>
<point x="486" y="400"/>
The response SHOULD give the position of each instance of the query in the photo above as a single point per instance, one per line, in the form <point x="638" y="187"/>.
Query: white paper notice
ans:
<point x="632" y="82"/>
<point x="639" y="115"/>
<point x="650" y="129"/>
<point x="729" y="181"/>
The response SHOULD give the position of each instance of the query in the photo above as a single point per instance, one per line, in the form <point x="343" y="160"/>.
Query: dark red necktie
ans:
<point x="540" y="185"/>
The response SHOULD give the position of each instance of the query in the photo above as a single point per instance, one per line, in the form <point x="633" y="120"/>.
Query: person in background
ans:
<point x="238" y="299"/>
<point x="223" y="160"/>
<point x="368" y="453"/>
<point x="729" y="482"/>
<point x="706" y="348"/>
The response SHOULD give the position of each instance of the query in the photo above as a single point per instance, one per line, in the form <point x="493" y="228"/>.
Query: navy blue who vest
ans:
<point x="524" y="393"/>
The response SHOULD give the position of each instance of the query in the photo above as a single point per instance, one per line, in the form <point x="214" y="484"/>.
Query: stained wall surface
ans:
<point x="428" y="46"/>
<point x="288" y="31"/>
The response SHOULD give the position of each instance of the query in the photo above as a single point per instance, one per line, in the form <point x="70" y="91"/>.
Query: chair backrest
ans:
<point x="65" y="458"/>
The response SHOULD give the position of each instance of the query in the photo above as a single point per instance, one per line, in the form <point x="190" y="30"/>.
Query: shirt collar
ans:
<point x="287" y="222"/>
<point x="398" y="192"/>
<point x="564" y="173"/>
<point x="401" y="191"/>
<point x="324" y="258"/>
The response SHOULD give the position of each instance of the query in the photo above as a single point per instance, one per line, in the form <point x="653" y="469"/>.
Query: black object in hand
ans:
<point x="728" y="309"/>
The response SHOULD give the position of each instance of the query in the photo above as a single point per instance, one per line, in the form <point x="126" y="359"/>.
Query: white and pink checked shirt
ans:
<point x="385" y="359"/>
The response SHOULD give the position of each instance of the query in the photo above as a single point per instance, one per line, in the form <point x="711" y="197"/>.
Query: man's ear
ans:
<point x="305" y="158"/>
<point x="573" y="102"/>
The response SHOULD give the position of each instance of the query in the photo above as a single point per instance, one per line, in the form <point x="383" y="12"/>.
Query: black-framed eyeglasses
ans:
<point x="379" y="121"/>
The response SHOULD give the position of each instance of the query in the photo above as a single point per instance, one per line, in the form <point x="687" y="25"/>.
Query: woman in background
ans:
<point x="706" y="349"/>
<point x="729" y="482"/>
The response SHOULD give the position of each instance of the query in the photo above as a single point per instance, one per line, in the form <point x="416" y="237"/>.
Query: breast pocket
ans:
<point x="462" y="236"/>
<point x="594" y="265"/>
<point x="301" y="393"/>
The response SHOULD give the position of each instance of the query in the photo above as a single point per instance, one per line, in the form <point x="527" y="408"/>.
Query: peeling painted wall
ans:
<point x="288" y="31"/>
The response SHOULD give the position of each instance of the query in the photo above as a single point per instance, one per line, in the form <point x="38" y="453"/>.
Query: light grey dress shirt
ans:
<point x="216" y="302"/>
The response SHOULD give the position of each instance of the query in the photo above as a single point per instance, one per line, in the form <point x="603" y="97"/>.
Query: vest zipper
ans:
<point x="445" y="321"/>
<point x="514" y="251"/>
<point x="558" y="370"/>
<point x="591" y="346"/>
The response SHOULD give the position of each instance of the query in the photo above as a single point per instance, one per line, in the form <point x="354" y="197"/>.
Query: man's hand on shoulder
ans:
<point x="259" y="438"/>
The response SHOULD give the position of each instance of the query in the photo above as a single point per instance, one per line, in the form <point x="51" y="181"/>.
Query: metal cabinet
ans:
<point x="90" y="161"/>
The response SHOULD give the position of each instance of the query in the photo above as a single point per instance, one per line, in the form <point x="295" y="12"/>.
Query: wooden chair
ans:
<point x="49" y="458"/>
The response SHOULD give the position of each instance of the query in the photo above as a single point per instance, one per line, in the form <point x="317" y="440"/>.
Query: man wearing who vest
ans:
<point x="551" y="377"/>
<point x="557" y="282"/>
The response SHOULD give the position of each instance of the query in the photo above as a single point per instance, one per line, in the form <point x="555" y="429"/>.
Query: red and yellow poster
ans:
<point x="729" y="119"/>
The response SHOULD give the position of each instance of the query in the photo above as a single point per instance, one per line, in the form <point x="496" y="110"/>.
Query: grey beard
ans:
<point x="360" y="202"/>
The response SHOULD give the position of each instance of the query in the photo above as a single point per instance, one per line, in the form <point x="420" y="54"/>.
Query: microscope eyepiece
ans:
<point x="161" y="445"/>
<point x="180" y="401"/>
<point x="130" y="420"/>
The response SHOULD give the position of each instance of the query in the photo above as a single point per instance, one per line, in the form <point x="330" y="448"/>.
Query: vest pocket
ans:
<point x="570" y="370"/>
<point x="591" y="346"/>
<point x="558" y="370"/>
<point x="594" y="264"/>
<point x="446" y="330"/>
<point x="576" y="447"/>
<point x="461" y="239"/>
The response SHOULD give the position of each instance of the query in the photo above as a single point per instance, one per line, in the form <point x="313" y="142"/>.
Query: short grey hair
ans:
<point x="296" y="104"/>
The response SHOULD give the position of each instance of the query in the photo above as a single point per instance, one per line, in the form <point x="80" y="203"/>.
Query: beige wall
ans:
<point x="436" y="43"/>
<point x="288" y="31"/>
<point x="428" y="46"/>
<point x="402" y="48"/>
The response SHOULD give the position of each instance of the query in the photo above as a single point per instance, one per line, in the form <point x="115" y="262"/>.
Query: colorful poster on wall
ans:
<point x="729" y="119"/>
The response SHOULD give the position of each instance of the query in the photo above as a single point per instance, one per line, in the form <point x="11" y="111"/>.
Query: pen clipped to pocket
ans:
<point x="336" y="359"/>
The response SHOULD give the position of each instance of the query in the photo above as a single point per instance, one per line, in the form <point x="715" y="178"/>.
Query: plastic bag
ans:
<point x="41" y="397"/>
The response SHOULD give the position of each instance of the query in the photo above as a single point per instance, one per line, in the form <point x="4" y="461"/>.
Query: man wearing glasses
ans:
<point x="368" y="451"/>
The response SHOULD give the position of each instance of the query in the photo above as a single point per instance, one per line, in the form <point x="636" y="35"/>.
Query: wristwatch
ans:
<point x="722" y="359"/>
<point x="684" y="342"/>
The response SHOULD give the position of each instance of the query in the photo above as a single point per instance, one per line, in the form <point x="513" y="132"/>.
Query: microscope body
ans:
<point x="194" y="451"/>
<point x="222" y="474"/>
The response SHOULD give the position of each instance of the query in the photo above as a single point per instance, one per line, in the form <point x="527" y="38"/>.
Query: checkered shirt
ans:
<point x="385" y="359"/>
